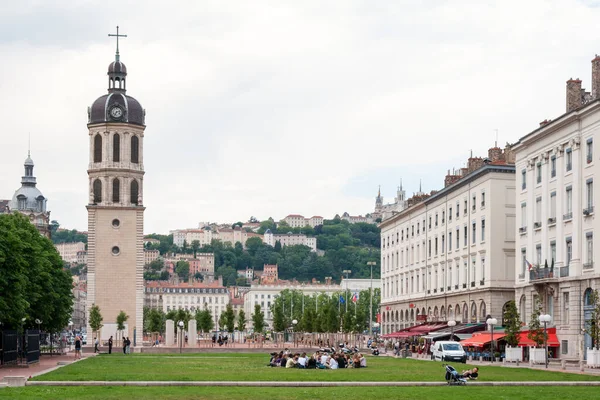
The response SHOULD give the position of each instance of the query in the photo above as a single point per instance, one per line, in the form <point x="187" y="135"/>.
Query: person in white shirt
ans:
<point x="363" y="361"/>
<point x="302" y="361"/>
<point x="333" y="364"/>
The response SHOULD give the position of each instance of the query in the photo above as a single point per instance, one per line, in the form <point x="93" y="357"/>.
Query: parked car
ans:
<point x="449" y="351"/>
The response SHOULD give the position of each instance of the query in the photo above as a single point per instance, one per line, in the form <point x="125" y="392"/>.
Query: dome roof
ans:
<point x="117" y="67"/>
<point x="31" y="195"/>
<point x="131" y="110"/>
<point x="28" y="161"/>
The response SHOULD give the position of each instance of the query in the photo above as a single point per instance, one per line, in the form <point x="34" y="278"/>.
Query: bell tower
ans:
<point x="116" y="125"/>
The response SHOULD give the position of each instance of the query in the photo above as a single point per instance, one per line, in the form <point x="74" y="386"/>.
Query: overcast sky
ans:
<point x="268" y="108"/>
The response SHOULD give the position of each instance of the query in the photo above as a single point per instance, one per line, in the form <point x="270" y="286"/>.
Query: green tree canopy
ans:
<point x="258" y="319"/>
<point x="512" y="324"/>
<point x="95" y="318"/>
<point x="182" y="269"/>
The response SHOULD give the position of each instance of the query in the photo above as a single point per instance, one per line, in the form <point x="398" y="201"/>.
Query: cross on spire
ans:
<point x="117" y="57"/>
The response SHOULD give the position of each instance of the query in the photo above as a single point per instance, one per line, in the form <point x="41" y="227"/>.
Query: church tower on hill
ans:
<point x="116" y="124"/>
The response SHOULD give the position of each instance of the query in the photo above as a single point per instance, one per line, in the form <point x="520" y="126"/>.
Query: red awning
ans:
<point x="481" y="339"/>
<point x="525" y="341"/>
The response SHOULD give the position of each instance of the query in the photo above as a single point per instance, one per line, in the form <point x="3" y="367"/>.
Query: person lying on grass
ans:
<point x="471" y="373"/>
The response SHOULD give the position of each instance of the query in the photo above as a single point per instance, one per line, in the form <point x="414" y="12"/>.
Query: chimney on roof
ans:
<point x="596" y="77"/>
<point x="573" y="94"/>
<point x="495" y="154"/>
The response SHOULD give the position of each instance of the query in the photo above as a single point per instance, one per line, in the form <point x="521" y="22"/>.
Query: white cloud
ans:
<point x="258" y="108"/>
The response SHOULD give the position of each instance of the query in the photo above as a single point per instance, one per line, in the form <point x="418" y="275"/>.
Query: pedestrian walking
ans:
<point x="77" y="347"/>
<point x="124" y="345"/>
<point x="110" y="344"/>
<point x="128" y="345"/>
<point x="96" y="343"/>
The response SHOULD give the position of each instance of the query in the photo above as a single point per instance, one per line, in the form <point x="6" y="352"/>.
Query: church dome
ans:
<point x="130" y="110"/>
<point x="117" y="67"/>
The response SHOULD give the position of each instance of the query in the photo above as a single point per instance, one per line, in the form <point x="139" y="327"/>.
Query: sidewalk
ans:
<point x="46" y="364"/>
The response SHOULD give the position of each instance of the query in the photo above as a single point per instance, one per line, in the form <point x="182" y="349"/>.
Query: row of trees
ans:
<point x="345" y="311"/>
<point x="33" y="284"/>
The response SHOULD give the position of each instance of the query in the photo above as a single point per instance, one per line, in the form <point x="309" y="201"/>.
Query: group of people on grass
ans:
<point x="318" y="360"/>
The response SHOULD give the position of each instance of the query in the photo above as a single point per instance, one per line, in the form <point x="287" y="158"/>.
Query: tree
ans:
<point x="253" y="220"/>
<point x="198" y="276"/>
<point x="536" y="333"/>
<point x="241" y="321"/>
<point x="239" y="223"/>
<point x="512" y="324"/>
<point x="95" y="318"/>
<point x="195" y="246"/>
<point x="278" y="318"/>
<point x="229" y="318"/>
<point x="33" y="283"/>
<point x="182" y="269"/>
<point x="258" y="319"/>
<point x="121" y="319"/>
<point x="204" y="319"/>
<point x="156" y="265"/>
<point x="277" y="247"/>
<point x="155" y="321"/>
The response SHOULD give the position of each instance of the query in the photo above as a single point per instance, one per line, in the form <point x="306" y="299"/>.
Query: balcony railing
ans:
<point x="567" y="216"/>
<point x="564" y="271"/>
<point x="473" y="284"/>
<point x="464" y="285"/>
<point x="434" y="290"/>
<point x="540" y="273"/>
<point x="522" y="275"/>
<point x="589" y="265"/>
<point x="523" y="229"/>
<point x="449" y="288"/>
<point x="588" y="211"/>
<point x="455" y="286"/>
<point x="551" y="220"/>
<point x="537" y="225"/>
<point x="482" y="282"/>
<point x="428" y="291"/>
<point x="441" y="289"/>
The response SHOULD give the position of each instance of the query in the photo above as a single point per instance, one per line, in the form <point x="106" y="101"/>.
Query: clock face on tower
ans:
<point x="116" y="112"/>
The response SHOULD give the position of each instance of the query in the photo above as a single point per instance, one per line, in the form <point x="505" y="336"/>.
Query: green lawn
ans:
<point x="362" y="393"/>
<point x="252" y="367"/>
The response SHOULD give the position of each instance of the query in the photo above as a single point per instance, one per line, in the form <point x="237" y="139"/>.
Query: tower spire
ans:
<point x="420" y="186"/>
<point x="400" y="184"/>
<point x="117" y="56"/>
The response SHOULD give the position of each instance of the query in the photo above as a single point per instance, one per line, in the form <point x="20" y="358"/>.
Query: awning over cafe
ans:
<point x="481" y="339"/>
<point x="524" y="341"/>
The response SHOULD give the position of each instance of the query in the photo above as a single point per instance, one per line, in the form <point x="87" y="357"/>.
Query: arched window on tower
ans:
<point x="116" y="191"/>
<point x="116" y="147"/>
<point x="98" y="148"/>
<point x="97" y="191"/>
<point x="135" y="149"/>
<point x="134" y="191"/>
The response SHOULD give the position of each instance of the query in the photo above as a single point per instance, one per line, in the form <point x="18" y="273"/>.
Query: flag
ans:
<point x="342" y="301"/>
<point x="529" y="266"/>
<point x="355" y="297"/>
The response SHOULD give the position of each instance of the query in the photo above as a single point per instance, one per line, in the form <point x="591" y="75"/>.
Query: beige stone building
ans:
<point x="70" y="252"/>
<point x="150" y="255"/>
<point x="289" y="239"/>
<point x="298" y="221"/>
<point x="208" y="234"/>
<point x="450" y="255"/>
<point x="556" y="169"/>
<point x="116" y="124"/>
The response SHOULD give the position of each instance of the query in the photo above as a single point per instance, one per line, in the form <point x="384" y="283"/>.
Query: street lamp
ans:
<point x="371" y="263"/>
<point x="294" y="322"/>
<point x="180" y="324"/>
<point x="545" y="318"/>
<point x="347" y="272"/>
<point x="452" y="324"/>
<point x="491" y="322"/>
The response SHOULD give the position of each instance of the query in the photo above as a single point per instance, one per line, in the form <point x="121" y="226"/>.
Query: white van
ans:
<point x="449" y="351"/>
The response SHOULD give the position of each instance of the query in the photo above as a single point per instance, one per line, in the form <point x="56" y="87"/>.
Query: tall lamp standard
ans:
<point x="294" y="322"/>
<point x="452" y="324"/>
<point x="180" y="338"/>
<point x="491" y="322"/>
<point x="371" y="263"/>
<point x="347" y="272"/>
<point x="545" y="318"/>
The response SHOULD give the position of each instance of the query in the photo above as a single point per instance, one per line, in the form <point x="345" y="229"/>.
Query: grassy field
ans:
<point x="252" y="367"/>
<point x="362" y="393"/>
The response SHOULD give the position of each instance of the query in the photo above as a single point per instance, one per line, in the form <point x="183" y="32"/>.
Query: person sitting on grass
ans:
<point x="356" y="360"/>
<point x="302" y="361"/>
<point x="292" y="362"/>
<point x="311" y="363"/>
<point x="332" y="363"/>
<point x="471" y="374"/>
<point x="363" y="361"/>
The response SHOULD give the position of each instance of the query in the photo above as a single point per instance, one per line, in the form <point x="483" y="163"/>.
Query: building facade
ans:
<point x="190" y="296"/>
<point x="70" y="252"/>
<point x="556" y="168"/>
<point x="450" y="255"/>
<point x="298" y="221"/>
<point x="150" y="255"/>
<point x="116" y="125"/>
<point x="289" y="239"/>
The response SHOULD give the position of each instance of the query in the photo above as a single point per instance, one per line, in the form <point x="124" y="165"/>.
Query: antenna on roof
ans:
<point x="496" y="142"/>
<point x="29" y="145"/>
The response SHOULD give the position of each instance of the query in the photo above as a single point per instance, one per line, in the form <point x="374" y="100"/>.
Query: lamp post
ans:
<point x="452" y="324"/>
<point x="347" y="272"/>
<point x="545" y="318"/>
<point x="491" y="322"/>
<point x="371" y="263"/>
<point x="180" y="338"/>
<point x="294" y="322"/>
